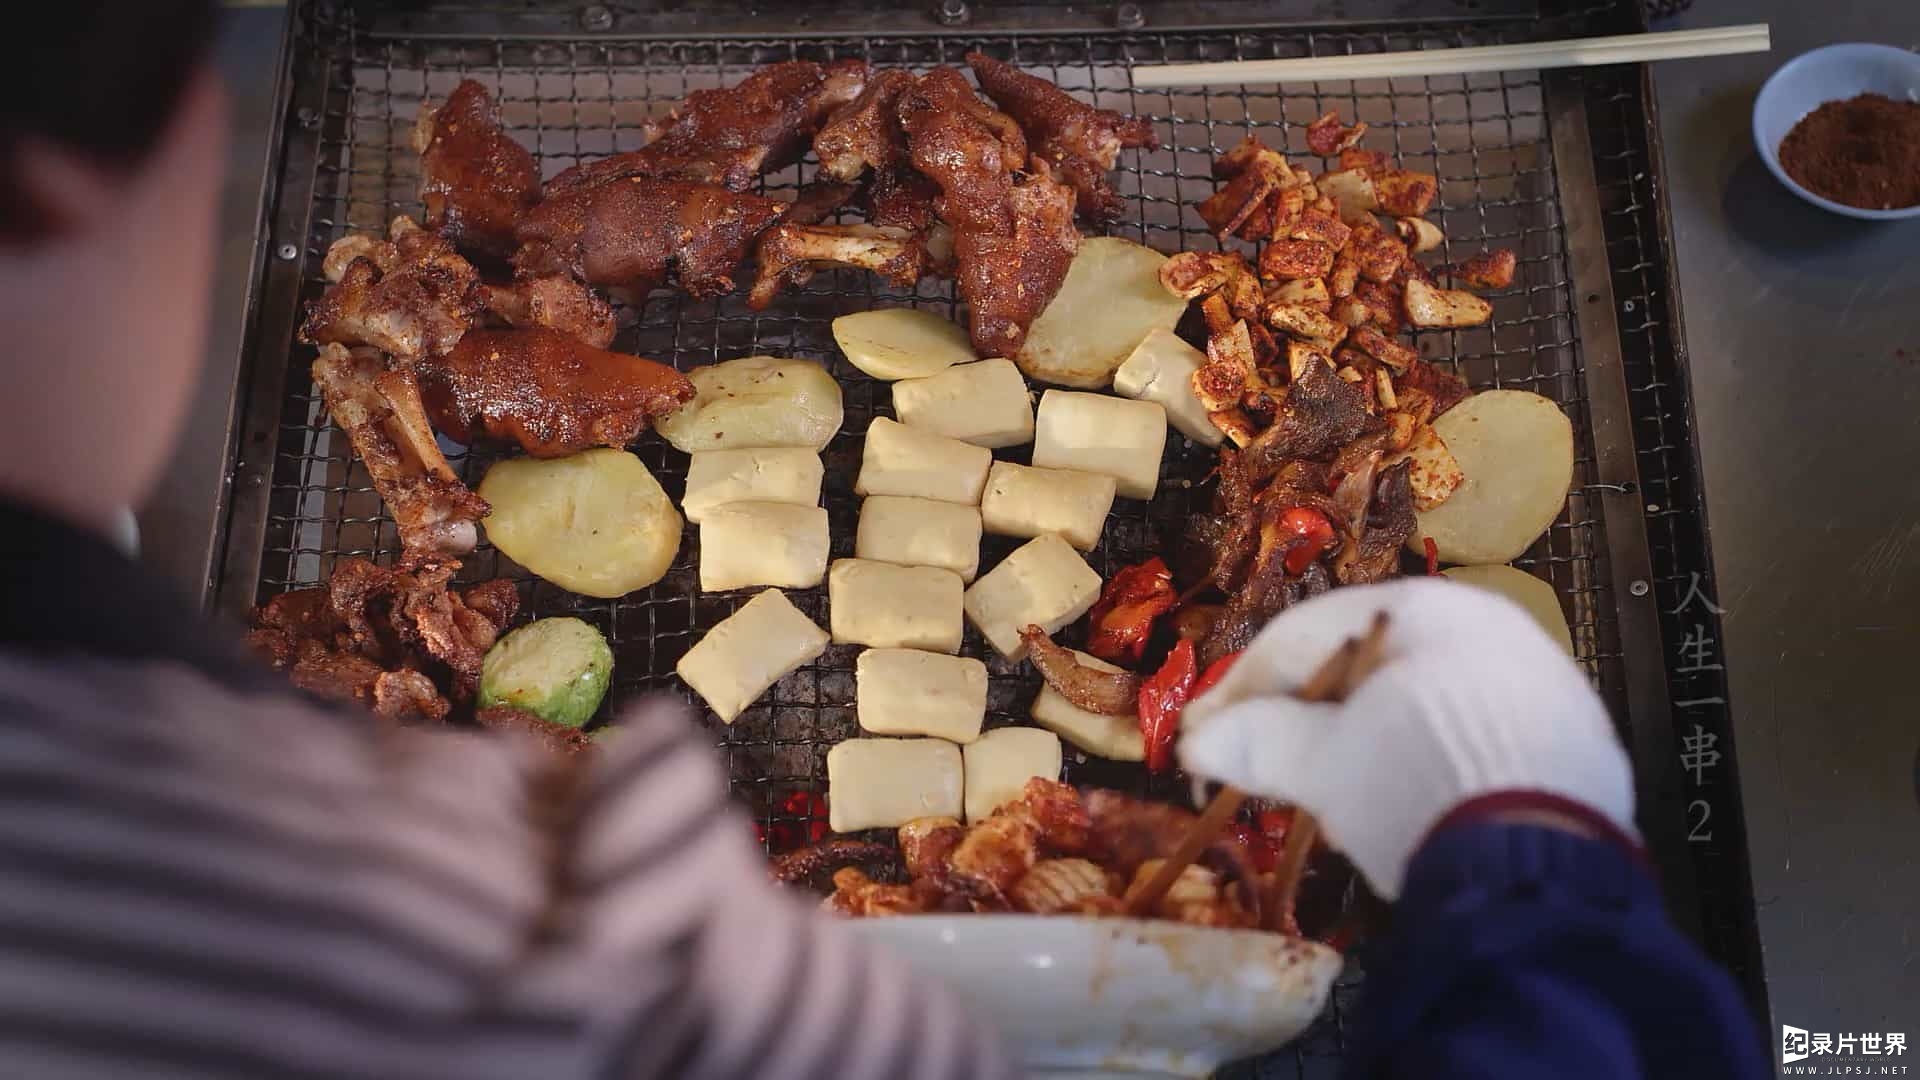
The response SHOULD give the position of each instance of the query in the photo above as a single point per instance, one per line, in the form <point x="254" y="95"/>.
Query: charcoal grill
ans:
<point x="1557" y="166"/>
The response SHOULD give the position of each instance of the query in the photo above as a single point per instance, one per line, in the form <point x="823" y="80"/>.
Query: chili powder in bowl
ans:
<point x="1840" y="127"/>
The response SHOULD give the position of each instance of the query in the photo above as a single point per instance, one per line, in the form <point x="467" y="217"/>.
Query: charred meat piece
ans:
<point x="788" y="255"/>
<point x="1013" y="232"/>
<point x="1446" y="389"/>
<point x="1080" y="142"/>
<point x="807" y="864"/>
<point x="1321" y="413"/>
<point x="1390" y="521"/>
<point x="551" y="394"/>
<point x="1055" y="811"/>
<point x="854" y="893"/>
<point x="817" y="202"/>
<point x="729" y="136"/>
<point x="474" y="179"/>
<point x="1007" y="279"/>
<point x="409" y="296"/>
<point x="864" y="134"/>
<point x="994" y="854"/>
<point x="1110" y="693"/>
<point x="626" y="234"/>
<point x="556" y="302"/>
<point x="381" y="412"/>
<point x="396" y="642"/>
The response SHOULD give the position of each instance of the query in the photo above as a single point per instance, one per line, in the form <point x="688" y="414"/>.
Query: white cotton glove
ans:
<point x="1472" y="698"/>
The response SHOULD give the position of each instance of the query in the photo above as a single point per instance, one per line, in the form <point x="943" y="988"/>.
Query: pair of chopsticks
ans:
<point x="1531" y="56"/>
<point x="1336" y="678"/>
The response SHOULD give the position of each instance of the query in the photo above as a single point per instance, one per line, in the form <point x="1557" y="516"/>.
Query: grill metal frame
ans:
<point x="1551" y="165"/>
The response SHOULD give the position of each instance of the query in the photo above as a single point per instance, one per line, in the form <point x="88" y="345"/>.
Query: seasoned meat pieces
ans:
<point x="475" y="180"/>
<point x="1080" y="142"/>
<point x="1321" y="413"/>
<point x="1007" y="279"/>
<point x="547" y="392"/>
<point x="554" y="301"/>
<point x="382" y="414"/>
<point x="864" y="134"/>
<point x="730" y="135"/>
<point x="395" y="642"/>
<point x="409" y="296"/>
<point x="627" y="234"/>
<point x="1390" y="521"/>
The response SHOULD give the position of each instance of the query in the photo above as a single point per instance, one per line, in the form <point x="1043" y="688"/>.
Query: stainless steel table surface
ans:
<point x="1803" y="338"/>
<point x="1803" y="335"/>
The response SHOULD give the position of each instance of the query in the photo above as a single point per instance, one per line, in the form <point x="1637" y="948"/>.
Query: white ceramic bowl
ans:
<point x="1118" y="997"/>
<point x="1832" y="73"/>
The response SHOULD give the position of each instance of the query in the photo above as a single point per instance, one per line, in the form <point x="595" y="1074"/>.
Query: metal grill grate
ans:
<point x="1486" y="136"/>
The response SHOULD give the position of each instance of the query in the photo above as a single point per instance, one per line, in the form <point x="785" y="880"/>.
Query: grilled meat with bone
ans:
<point x="626" y="234"/>
<point x="475" y="180"/>
<point x="551" y="394"/>
<point x="730" y="135"/>
<point x="410" y="295"/>
<point x="381" y="412"/>
<point x="1080" y="142"/>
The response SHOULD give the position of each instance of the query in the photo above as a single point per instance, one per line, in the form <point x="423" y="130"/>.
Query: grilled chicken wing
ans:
<point x="381" y="412"/>
<point x="1013" y="232"/>
<point x="1080" y="142"/>
<point x="729" y="136"/>
<point x="409" y="296"/>
<point x="557" y="302"/>
<point x="625" y="234"/>
<point x="474" y="179"/>
<point x="550" y="393"/>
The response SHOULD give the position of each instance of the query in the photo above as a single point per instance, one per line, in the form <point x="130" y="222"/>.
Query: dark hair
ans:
<point x="101" y="77"/>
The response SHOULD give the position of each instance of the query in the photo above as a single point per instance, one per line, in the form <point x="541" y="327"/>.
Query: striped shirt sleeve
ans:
<point x="202" y="881"/>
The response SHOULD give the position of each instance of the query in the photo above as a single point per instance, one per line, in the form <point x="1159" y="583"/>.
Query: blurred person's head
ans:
<point x="112" y="149"/>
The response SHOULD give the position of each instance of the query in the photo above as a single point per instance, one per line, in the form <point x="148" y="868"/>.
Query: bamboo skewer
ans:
<point x="1351" y="663"/>
<point x="1531" y="56"/>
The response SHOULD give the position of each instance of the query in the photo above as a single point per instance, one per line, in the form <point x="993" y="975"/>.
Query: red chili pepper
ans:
<point x="1123" y="617"/>
<point x="1214" y="673"/>
<point x="1433" y="556"/>
<point x="1262" y="852"/>
<point x="1162" y="696"/>
<point x="1274" y="824"/>
<point x="1312" y="526"/>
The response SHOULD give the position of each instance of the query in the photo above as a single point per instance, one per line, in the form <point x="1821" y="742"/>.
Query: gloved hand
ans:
<point x="1471" y="699"/>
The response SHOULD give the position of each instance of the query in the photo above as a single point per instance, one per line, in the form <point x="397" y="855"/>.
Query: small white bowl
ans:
<point x="1832" y="73"/>
<point x="1130" y="998"/>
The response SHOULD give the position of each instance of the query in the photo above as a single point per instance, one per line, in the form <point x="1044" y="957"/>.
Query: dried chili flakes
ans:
<point x="1864" y="151"/>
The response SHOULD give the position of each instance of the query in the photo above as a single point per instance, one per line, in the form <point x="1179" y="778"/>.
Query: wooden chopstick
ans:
<point x="1332" y="681"/>
<point x="1530" y="56"/>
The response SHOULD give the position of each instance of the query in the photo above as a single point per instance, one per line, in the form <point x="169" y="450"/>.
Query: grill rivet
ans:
<point x="953" y="12"/>
<point x="1129" y="17"/>
<point x="1639" y="588"/>
<point x="596" y="17"/>
<point x="287" y="252"/>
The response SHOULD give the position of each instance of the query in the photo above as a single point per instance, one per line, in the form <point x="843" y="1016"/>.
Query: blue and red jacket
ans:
<point x="1530" y="951"/>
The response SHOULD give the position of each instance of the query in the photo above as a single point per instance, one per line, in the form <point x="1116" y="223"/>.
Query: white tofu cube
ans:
<point x="749" y="651"/>
<point x="899" y="460"/>
<point x="1160" y="369"/>
<point x="919" y="532"/>
<point x="1114" y="737"/>
<point x="1044" y="583"/>
<point x="1095" y="433"/>
<point x="909" y="692"/>
<point x="763" y="543"/>
<point x="894" y="607"/>
<point x="999" y="764"/>
<point x="1024" y="501"/>
<point x="885" y="783"/>
<point x="789" y="474"/>
<point x="984" y="403"/>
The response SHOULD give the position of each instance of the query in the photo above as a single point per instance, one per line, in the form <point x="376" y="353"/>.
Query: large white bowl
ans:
<point x="1130" y="998"/>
